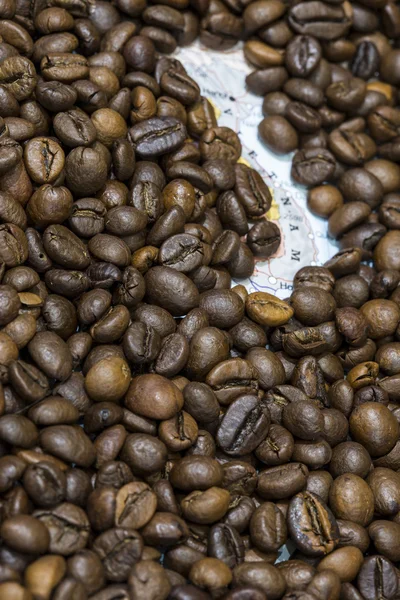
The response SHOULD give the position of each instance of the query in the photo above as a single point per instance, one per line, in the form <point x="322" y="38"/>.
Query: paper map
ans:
<point x="221" y="77"/>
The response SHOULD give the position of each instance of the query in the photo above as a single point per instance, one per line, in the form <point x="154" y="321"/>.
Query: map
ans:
<point x="304" y="236"/>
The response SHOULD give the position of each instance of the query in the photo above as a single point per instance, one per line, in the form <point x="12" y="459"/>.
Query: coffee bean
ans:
<point x="44" y="159"/>
<point x="265" y="309"/>
<point x="25" y="533"/>
<point x="206" y="507"/>
<point x="278" y="134"/>
<point x="282" y="481"/>
<point x="312" y="525"/>
<point x="68" y="443"/>
<point x="251" y="191"/>
<point x="119" y="549"/>
<point x="368" y="582"/>
<point x="252" y="420"/>
<point x="18" y="75"/>
<point x="312" y="166"/>
<point x="148" y="577"/>
<point x="157" y="136"/>
<point x="135" y="505"/>
<point x="251" y="574"/>
<point x="268" y="528"/>
<point x="168" y="400"/>
<point x="180" y="296"/>
<point x="220" y="143"/>
<point x="108" y="380"/>
<point x="86" y="171"/>
<point x="223" y="307"/>
<point x="358" y="502"/>
<point x="13" y="245"/>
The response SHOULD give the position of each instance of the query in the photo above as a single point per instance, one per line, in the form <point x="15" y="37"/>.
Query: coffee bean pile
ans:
<point x="151" y="446"/>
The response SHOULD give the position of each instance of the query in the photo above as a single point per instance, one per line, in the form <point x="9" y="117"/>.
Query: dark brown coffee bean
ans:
<point x="148" y="579"/>
<point x="252" y="191"/>
<point x="182" y="252"/>
<point x="303" y="55"/>
<point x="86" y="171"/>
<point x="119" y="549"/>
<point x="268" y="528"/>
<point x="51" y="354"/>
<point x="178" y="297"/>
<point x="109" y="249"/>
<point x="206" y="507"/>
<point x="13" y="245"/>
<point x="368" y="582"/>
<point x="223" y="307"/>
<point x="18" y="75"/>
<point x="312" y="166"/>
<point x="220" y="143"/>
<point x="157" y="136"/>
<point x="311" y="525"/>
<point x="324" y="22"/>
<point x="25" y="533"/>
<point x="244" y="425"/>
<point x="251" y="574"/>
<point x="282" y="481"/>
<point x="68" y="443"/>
<point x="180" y="86"/>
<point x="358" y="503"/>
<point x="278" y="134"/>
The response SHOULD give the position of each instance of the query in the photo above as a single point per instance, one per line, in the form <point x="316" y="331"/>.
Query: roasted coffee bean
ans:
<point x="358" y="502"/>
<point x="181" y="297"/>
<point x="13" y="245"/>
<point x="231" y="212"/>
<point x="18" y="75"/>
<point x="119" y="549"/>
<point x="370" y="584"/>
<point x="51" y="354"/>
<point x="180" y="86"/>
<point x="282" y="482"/>
<point x="224" y="308"/>
<point x="58" y="198"/>
<point x="25" y="533"/>
<point x="220" y="143"/>
<point x="45" y="484"/>
<point x="244" y="425"/>
<point x="278" y="134"/>
<point x="168" y="396"/>
<point x="86" y="171"/>
<point x="169" y="223"/>
<point x="165" y="529"/>
<point x="252" y="191"/>
<point x="312" y="525"/>
<point x="110" y="249"/>
<point x="313" y="166"/>
<point x="268" y="528"/>
<point x="264" y="81"/>
<point x="61" y="439"/>
<point x="277" y="447"/>
<point x="182" y="252"/>
<point x="157" y="136"/>
<point x="226" y="545"/>
<point x="220" y="30"/>
<point x="247" y="334"/>
<point x="206" y="507"/>
<point x="148" y="578"/>
<point x="303" y="54"/>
